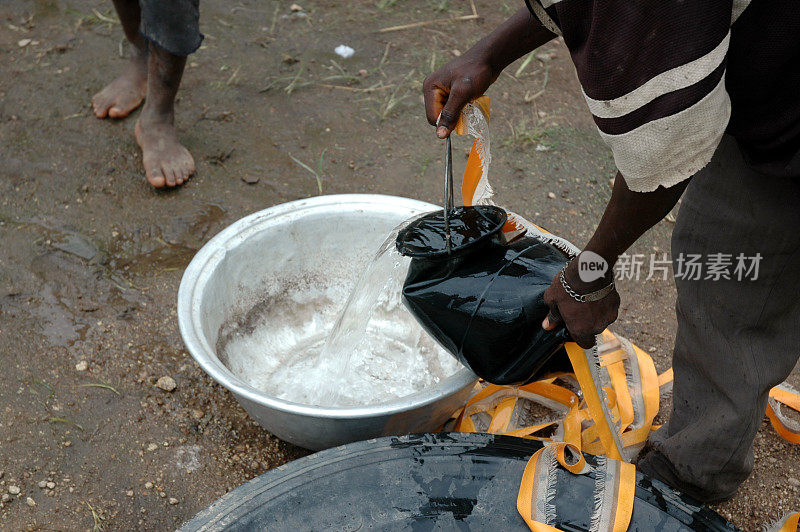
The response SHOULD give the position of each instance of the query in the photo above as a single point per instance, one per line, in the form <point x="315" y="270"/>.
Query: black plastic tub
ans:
<point x="442" y="481"/>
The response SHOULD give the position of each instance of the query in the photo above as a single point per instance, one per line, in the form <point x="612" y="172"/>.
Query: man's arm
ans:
<point x="628" y="216"/>
<point x="465" y="78"/>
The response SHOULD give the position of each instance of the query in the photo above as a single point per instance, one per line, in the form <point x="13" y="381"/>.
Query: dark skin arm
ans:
<point x="465" y="78"/>
<point x="628" y="216"/>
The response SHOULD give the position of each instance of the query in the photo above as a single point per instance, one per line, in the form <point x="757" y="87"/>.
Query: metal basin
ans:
<point x="325" y="236"/>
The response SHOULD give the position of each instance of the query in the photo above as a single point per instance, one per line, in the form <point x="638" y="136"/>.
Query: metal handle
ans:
<point x="448" y="189"/>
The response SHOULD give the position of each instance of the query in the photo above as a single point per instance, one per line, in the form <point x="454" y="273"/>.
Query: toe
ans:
<point x="170" y="175"/>
<point x="100" y="107"/>
<point x="156" y="179"/>
<point x="186" y="172"/>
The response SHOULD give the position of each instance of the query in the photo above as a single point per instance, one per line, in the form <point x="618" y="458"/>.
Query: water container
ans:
<point x="482" y="298"/>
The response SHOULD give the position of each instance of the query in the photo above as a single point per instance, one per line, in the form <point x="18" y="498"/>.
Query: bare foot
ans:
<point x="125" y="93"/>
<point x="166" y="161"/>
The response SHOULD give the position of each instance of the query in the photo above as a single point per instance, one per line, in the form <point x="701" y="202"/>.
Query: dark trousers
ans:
<point x="736" y="338"/>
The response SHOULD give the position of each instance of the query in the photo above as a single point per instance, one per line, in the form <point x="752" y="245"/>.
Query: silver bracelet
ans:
<point x="584" y="298"/>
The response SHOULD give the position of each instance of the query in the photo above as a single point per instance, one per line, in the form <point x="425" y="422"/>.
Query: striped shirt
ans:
<point x="665" y="79"/>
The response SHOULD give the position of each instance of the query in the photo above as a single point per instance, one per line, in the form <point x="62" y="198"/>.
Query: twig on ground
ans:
<point x="355" y="89"/>
<point x="53" y="419"/>
<point x="100" y="385"/>
<point x="316" y="174"/>
<point x="428" y="23"/>
<point x="97" y="518"/>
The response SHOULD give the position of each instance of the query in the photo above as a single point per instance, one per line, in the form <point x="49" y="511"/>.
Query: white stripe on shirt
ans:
<point x="544" y="18"/>
<point x="668" y="150"/>
<point x="666" y="82"/>
<point x="738" y="7"/>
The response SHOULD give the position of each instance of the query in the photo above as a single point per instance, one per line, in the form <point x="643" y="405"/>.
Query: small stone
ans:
<point x="166" y="383"/>
<point x="250" y="179"/>
<point x="295" y="8"/>
<point x="152" y="447"/>
<point x="5" y="497"/>
<point x="82" y="366"/>
<point x="148" y="485"/>
<point x="129" y="493"/>
<point x="551" y="195"/>
<point x="173" y="501"/>
<point x="67" y="443"/>
<point x="198" y="414"/>
<point x="42" y="484"/>
<point x="51" y="485"/>
<point x="456" y="53"/>
<point x="2" y="474"/>
<point x="363" y="73"/>
<point x="793" y="482"/>
<point x="162" y="494"/>
<point x="30" y="502"/>
<point x="22" y="43"/>
<point x="14" y="490"/>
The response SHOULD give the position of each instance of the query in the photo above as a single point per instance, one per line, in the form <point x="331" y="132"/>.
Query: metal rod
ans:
<point x="448" y="190"/>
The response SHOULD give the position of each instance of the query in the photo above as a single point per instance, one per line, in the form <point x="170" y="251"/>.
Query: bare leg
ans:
<point x="127" y="91"/>
<point x="166" y="161"/>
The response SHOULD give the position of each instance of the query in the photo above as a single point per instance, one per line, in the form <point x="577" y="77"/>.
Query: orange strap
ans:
<point x="790" y="399"/>
<point x="617" y="518"/>
<point x="626" y="493"/>
<point x="791" y="523"/>
<point x="783" y="431"/>
<point x="592" y="398"/>
<point x="476" y="168"/>
<point x="506" y="399"/>
<point x="665" y="377"/>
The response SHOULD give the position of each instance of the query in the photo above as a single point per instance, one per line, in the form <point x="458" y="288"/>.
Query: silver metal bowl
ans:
<point x="325" y="235"/>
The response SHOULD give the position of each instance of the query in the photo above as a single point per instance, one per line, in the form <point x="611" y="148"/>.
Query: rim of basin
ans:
<point x="213" y="252"/>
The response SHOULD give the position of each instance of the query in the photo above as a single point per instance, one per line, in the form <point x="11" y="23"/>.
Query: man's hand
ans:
<point x="453" y="86"/>
<point x="628" y="215"/>
<point x="583" y="320"/>
<point x="465" y="78"/>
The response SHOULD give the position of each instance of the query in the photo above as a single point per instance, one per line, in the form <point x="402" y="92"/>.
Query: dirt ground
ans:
<point x="91" y="256"/>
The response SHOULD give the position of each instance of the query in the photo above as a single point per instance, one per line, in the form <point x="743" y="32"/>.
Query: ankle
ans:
<point x="153" y="115"/>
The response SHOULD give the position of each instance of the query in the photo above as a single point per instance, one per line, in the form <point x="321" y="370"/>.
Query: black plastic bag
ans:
<point x="483" y="300"/>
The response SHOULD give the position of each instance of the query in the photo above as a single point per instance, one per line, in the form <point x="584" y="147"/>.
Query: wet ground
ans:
<point x="91" y="256"/>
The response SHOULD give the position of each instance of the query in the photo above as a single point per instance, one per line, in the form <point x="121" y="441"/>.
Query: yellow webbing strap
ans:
<point x="529" y="499"/>
<point x="789" y="523"/>
<point x="790" y="399"/>
<point x="665" y="377"/>
<point x="650" y="394"/>
<point x="592" y="397"/>
<point x="502" y="416"/>
<point x="626" y="493"/>
<point x="499" y="402"/>
<point x="529" y="494"/>
<point x="476" y="170"/>
<point x="622" y="396"/>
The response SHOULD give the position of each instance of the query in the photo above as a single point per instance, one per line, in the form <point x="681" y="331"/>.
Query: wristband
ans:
<point x="584" y="298"/>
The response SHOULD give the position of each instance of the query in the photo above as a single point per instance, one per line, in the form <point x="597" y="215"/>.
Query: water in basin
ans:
<point x="321" y="341"/>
